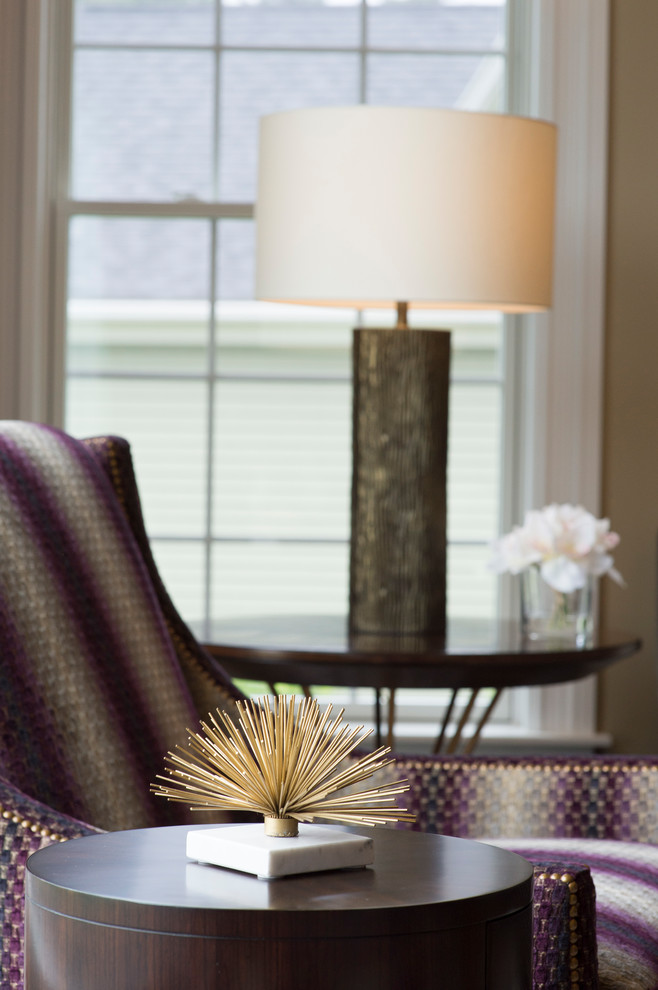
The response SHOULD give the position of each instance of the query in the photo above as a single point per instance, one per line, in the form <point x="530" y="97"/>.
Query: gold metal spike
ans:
<point x="284" y="759"/>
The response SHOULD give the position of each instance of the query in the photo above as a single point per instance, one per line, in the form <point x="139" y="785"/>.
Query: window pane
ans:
<point x="434" y="25"/>
<point x="268" y="339"/>
<point x="257" y="83"/>
<point x="136" y="338"/>
<point x="474" y="462"/>
<point x="142" y="125"/>
<point x="236" y="246"/>
<point x="266" y="579"/>
<point x="281" y="460"/>
<point x="131" y="258"/>
<point x="453" y="81"/>
<point x="315" y="24"/>
<point x="138" y="295"/>
<point x="166" y="425"/>
<point x="182" y="567"/>
<point x="477" y="348"/>
<point x="175" y="22"/>
<point x="256" y="341"/>
<point x="472" y="589"/>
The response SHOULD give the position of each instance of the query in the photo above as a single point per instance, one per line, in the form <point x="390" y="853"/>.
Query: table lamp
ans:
<point x="401" y="207"/>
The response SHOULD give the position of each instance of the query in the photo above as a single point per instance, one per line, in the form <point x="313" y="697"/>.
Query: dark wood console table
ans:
<point x="127" y="910"/>
<point x="476" y="654"/>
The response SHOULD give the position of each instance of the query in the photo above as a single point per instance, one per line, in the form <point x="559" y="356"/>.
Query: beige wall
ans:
<point x="629" y="690"/>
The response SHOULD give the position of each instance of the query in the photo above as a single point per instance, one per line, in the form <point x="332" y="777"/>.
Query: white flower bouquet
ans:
<point x="565" y="542"/>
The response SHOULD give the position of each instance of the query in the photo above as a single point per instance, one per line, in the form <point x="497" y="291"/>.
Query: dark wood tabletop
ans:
<point x="417" y="879"/>
<point x="129" y="906"/>
<point x="319" y="649"/>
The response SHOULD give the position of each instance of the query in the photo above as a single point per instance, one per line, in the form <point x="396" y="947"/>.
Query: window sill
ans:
<point x="417" y="738"/>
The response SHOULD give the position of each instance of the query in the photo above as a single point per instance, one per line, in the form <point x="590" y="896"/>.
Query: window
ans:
<point x="239" y="413"/>
<point x="559" y="56"/>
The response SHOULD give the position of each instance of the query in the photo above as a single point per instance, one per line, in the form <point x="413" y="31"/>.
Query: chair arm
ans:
<point x="564" y="946"/>
<point x="26" y="825"/>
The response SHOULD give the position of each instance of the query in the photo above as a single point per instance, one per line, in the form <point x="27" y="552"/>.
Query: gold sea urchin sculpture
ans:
<point x="282" y="761"/>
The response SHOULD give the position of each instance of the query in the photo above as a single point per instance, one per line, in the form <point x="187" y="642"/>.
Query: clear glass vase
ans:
<point x="547" y="614"/>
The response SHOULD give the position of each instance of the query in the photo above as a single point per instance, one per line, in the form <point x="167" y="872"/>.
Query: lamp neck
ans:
<point x="402" y="316"/>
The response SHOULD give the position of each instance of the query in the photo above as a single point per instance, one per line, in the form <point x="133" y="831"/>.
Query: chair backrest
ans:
<point x="93" y="692"/>
<point x="208" y="683"/>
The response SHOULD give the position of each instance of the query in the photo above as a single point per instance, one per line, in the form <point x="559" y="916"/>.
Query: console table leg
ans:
<point x="378" y="718"/>
<point x="446" y="721"/>
<point x="456" y="739"/>
<point x="391" y="718"/>
<point x="472" y="743"/>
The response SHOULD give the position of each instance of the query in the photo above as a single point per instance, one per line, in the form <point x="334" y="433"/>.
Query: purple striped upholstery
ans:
<point x="25" y="826"/>
<point x="625" y="876"/>
<point x="93" y="690"/>
<point x="564" y="925"/>
<point x="589" y="797"/>
<point x="207" y="682"/>
<point x="560" y="813"/>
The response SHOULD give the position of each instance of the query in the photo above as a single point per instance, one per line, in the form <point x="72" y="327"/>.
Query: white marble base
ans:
<point x="247" y="848"/>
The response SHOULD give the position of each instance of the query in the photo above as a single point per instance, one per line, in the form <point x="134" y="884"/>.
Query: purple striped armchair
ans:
<point x="99" y="675"/>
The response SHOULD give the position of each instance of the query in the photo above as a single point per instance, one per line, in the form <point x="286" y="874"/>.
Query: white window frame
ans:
<point x="556" y="421"/>
<point x="560" y="418"/>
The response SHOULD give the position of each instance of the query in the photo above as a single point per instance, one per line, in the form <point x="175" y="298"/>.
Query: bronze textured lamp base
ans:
<point x="401" y="380"/>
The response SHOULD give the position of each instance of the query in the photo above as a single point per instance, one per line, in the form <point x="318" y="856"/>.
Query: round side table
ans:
<point x="128" y="910"/>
